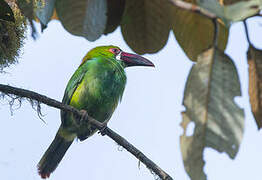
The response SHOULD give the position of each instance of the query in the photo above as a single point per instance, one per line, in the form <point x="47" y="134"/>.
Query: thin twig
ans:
<point x="6" y="89"/>
<point x="246" y="32"/>
<point x="194" y="8"/>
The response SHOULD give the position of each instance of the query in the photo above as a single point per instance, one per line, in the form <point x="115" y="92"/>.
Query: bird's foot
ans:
<point x="82" y="119"/>
<point x="85" y="116"/>
<point x="103" y="129"/>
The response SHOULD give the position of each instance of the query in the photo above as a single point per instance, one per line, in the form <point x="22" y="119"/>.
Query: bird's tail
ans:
<point x="55" y="153"/>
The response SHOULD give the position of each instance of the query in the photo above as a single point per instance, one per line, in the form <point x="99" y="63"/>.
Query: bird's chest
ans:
<point x="99" y="94"/>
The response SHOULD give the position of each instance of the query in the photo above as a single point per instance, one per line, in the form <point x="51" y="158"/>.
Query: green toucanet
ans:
<point x="96" y="87"/>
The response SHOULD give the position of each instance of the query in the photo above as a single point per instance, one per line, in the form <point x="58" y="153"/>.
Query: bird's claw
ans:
<point x="103" y="129"/>
<point x="82" y="119"/>
<point x="84" y="116"/>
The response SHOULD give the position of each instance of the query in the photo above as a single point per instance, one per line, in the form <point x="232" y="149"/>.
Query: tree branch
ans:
<point x="194" y="8"/>
<point x="6" y="89"/>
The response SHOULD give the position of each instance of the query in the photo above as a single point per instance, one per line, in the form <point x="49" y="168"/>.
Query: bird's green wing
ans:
<point x="71" y="87"/>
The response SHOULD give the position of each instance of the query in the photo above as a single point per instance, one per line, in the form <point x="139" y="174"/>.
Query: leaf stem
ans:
<point x="246" y="32"/>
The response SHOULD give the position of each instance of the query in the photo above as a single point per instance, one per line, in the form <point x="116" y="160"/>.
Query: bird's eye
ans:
<point x="115" y="51"/>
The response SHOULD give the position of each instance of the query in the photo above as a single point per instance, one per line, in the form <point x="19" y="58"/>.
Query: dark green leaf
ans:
<point x="27" y="9"/>
<point x="45" y="11"/>
<point x="145" y="25"/>
<point x="115" y="9"/>
<point x="85" y="18"/>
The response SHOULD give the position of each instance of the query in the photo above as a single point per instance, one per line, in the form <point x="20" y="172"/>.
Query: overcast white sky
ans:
<point x="149" y="115"/>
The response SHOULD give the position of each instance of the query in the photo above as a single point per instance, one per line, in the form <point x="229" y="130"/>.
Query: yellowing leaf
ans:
<point x="145" y="25"/>
<point x="211" y="87"/>
<point x="255" y="83"/>
<point x="195" y="33"/>
<point x="85" y="18"/>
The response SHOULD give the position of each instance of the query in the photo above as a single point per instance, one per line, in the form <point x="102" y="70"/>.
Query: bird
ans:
<point x="96" y="87"/>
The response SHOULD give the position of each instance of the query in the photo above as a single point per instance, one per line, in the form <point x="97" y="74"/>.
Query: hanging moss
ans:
<point x="12" y="35"/>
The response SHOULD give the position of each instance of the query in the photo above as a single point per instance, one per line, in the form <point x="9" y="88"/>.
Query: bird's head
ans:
<point x="114" y="53"/>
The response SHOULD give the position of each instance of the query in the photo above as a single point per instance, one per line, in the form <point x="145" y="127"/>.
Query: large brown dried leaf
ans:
<point x="195" y="33"/>
<point x="85" y="18"/>
<point x="145" y="25"/>
<point x="115" y="10"/>
<point x="209" y="96"/>
<point x="255" y="83"/>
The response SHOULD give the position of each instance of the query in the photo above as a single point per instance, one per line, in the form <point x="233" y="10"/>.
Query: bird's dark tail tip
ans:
<point x="53" y="155"/>
<point x="43" y="175"/>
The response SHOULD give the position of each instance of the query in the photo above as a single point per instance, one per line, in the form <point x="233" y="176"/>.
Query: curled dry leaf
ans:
<point x="211" y="87"/>
<point x="145" y="25"/>
<point x="254" y="57"/>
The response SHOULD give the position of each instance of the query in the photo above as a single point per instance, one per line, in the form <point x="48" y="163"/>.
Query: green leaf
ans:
<point x="255" y="83"/>
<point x="85" y="18"/>
<point x="45" y="11"/>
<point x="27" y="8"/>
<point x="194" y="32"/>
<point x="145" y="25"/>
<point x="115" y="10"/>
<point x="211" y="87"/>
<point x="234" y="12"/>
<point x="6" y="12"/>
